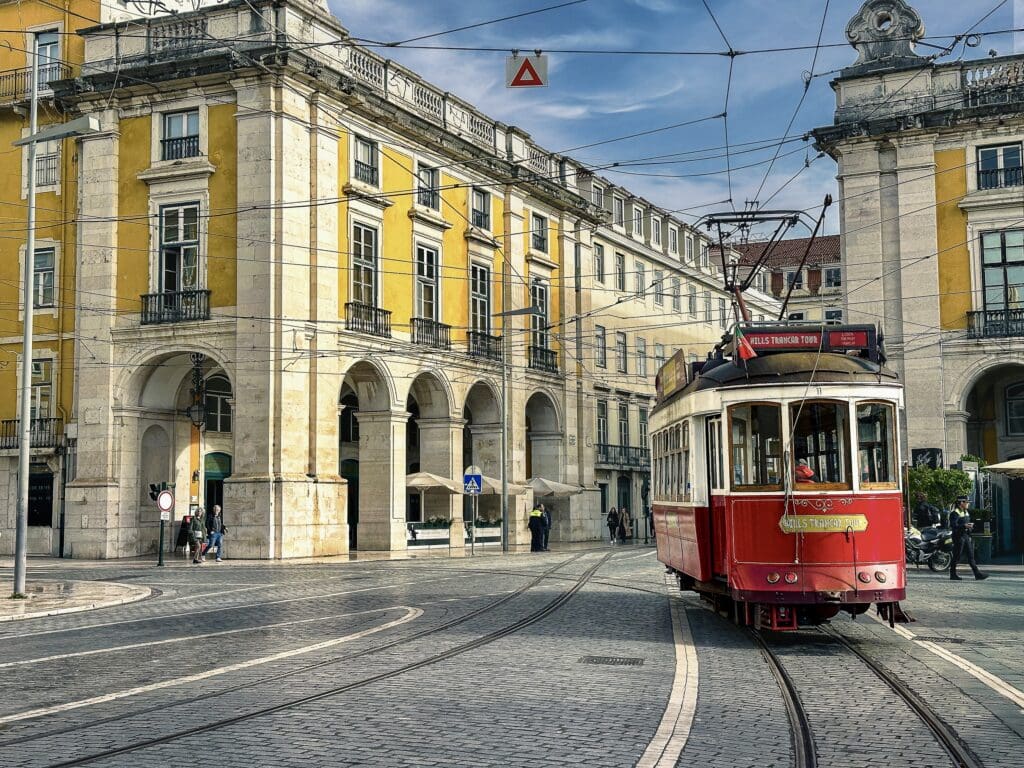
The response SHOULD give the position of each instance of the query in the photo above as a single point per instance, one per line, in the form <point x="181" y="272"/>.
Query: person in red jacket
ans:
<point x="803" y="472"/>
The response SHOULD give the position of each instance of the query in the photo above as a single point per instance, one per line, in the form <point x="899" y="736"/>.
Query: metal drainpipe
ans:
<point x="580" y="410"/>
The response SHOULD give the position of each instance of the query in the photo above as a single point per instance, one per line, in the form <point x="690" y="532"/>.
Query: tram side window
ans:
<point x="714" y="446"/>
<point x="875" y="445"/>
<point x="683" y="461"/>
<point x="820" y="439"/>
<point x="756" y="448"/>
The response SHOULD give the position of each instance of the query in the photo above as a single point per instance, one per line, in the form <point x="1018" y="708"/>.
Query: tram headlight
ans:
<point x="880" y="576"/>
<point x="773" y="578"/>
<point x="791" y="578"/>
<point x="864" y="577"/>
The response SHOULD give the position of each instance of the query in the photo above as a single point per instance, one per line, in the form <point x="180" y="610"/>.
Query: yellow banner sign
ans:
<point x="823" y="523"/>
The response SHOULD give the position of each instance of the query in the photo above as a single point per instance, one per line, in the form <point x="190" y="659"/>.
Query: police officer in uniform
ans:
<point x="960" y="522"/>
<point x="536" y="525"/>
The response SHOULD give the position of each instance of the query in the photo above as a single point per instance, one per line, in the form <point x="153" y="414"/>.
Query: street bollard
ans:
<point x="160" y="560"/>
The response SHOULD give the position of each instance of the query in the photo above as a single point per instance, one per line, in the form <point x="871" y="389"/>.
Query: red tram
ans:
<point x="776" y="483"/>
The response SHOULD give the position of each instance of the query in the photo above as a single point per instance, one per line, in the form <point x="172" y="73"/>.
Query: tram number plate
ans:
<point x="823" y="523"/>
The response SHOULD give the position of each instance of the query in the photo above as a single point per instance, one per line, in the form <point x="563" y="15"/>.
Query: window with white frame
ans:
<point x="1002" y="259"/>
<point x="601" y="346"/>
<point x="659" y="287"/>
<point x="641" y="278"/>
<point x="656" y="232"/>
<point x="673" y="240"/>
<point x="623" y="423"/>
<point x="795" y="280"/>
<point x="705" y="261"/>
<point x="1000" y="166"/>
<point x="659" y="356"/>
<point x="599" y="262"/>
<point x="428" y="185"/>
<point x="796" y="316"/>
<point x="621" y="352"/>
<point x="723" y="314"/>
<point x="539" y="322"/>
<point x="638" y="221"/>
<point x="642" y="421"/>
<point x="689" y="249"/>
<point x="539" y="233"/>
<point x="708" y="309"/>
<point x="480" y="208"/>
<point x="179" y="248"/>
<point x="641" y="356"/>
<point x="218" y="404"/>
<point x="181" y="135"/>
<point x="835" y="315"/>
<point x="41" y="405"/>
<point x="366" y="165"/>
<point x="364" y="264"/>
<point x="480" y="298"/>
<point x="602" y="422"/>
<point x="620" y="272"/>
<point x="618" y="211"/>
<point x="47" y="163"/>
<point x="691" y="300"/>
<point x="833" y="277"/>
<point x="597" y="196"/>
<point x="677" y="295"/>
<point x="1015" y="409"/>
<point x="426" y="282"/>
<point x="43" y="274"/>
<point x="48" y="48"/>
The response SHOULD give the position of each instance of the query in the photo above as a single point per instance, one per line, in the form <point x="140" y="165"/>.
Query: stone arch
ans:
<point x="482" y="404"/>
<point x="963" y="385"/>
<point x="543" y="437"/>
<point x="433" y="395"/>
<point x="159" y="369"/>
<point x="371" y="383"/>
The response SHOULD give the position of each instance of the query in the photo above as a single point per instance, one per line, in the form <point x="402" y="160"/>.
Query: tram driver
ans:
<point x="803" y="472"/>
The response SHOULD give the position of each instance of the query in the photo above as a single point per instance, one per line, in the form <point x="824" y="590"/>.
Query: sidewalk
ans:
<point x="50" y="597"/>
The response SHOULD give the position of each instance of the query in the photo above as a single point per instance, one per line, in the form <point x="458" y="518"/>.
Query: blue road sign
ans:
<point x="472" y="484"/>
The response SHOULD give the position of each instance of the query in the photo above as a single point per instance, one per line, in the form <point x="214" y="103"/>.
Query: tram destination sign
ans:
<point x="842" y="339"/>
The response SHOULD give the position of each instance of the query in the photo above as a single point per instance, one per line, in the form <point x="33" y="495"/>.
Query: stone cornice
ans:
<point x="429" y="217"/>
<point x="177" y="170"/>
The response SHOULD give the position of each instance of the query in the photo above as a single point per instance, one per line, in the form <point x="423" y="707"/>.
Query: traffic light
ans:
<point x="154" y="491"/>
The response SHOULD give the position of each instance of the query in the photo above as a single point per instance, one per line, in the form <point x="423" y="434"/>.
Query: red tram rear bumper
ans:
<point x="848" y="597"/>
<point x="837" y="584"/>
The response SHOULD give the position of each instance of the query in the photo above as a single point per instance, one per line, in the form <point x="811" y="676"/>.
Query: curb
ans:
<point x="137" y="593"/>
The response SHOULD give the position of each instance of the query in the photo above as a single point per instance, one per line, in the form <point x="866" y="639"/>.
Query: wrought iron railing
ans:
<point x="179" y="148"/>
<point x="16" y="84"/>
<point x="175" y="307"/>
<point x="429" y="198"/>
<point x="635" y="457"/>
<point x="431" y="333"/>
<point x="484" y="345"/>
<point x="998" y="178"/>
<point x="480" y="219"/>
<point x="995" y="323"/>
<point x="543" y="359"/>
<point x="45" y="433"/>
<point x="366" y="173"/>
<point x="48" y="169"/>
<point x="366" y="318"/>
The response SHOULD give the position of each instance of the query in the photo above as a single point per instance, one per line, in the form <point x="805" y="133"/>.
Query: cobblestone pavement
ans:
<point x="223" y="641"/>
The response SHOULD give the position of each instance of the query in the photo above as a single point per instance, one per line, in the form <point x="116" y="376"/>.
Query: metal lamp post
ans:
<point x="79" y="127"/>
<point x="531" y="310"/>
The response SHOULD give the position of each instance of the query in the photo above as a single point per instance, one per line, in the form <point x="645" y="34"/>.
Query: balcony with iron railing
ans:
<point x="543" y="359"/>
<point x="995" y="323"/>
<point x="179" y="148"/>
<point x="366" y="173"/>
<point x="430" y="333"/>
<point x="175" y="307"/>
<point x="48" y="169"/>
<point x="366" y="318"/>
<point x="1000" y="178"/>
<point x="629" y="456"/>
<point x="480" y="219"/>
<point x="46" y="433"/>
<point x="484" y="345"/>
<point x="429" y="198"/>
<point x="16" y="84"/>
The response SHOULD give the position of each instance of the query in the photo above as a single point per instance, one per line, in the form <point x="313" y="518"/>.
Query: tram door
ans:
<point x="716" y="481"/>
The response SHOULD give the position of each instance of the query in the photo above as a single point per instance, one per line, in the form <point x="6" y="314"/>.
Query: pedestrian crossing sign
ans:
<point x="472" y="484"/>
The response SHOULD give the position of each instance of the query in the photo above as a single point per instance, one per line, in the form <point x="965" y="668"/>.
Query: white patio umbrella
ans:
<point x="1012" y="468"/>
<point x="492" y="486"/>
<point x="543" y="487"/>
<point x="427" y="481"/>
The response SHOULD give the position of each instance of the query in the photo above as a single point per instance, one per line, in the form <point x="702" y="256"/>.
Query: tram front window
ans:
<point x="875" y="445"/>
<point x="756" y="446"/>
<point x="820" y="437"/>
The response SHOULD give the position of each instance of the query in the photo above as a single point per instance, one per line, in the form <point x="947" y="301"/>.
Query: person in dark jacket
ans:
<point x="926" y="514"/>
<point x="546" y="517"/>
<point x="215" y="530"/>
<point x="536" y="525"/>
<point x="960" y="522"/>
<point x="197" y="534"/>
<point x="625" y="525"/>
<point x="612" y="521"/>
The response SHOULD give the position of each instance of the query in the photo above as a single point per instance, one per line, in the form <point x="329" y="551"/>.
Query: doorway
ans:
<point x="217" y="468"/>
<point x="350" y="474"/>
<point x="625" y="493"/>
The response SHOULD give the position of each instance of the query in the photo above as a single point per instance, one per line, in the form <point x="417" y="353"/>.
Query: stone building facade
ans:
<point x="806" y="272"/>
<point x="293" y="256"/>
<point x="932" y="218"/>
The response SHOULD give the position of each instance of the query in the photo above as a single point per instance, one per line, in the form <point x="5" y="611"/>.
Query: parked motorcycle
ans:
<point x="931" y="546"/>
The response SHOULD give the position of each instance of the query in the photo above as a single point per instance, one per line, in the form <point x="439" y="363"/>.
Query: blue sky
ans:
<point x="597" y="97"/>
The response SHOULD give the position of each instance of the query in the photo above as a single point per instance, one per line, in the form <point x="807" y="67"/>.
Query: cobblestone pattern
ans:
<point x="741" y="718"/>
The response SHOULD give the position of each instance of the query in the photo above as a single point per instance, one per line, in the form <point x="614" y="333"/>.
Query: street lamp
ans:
<point x="81" y="126"/>
<point x="533" y="312"/>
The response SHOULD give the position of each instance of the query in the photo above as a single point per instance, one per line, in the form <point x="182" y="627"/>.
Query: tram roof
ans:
<point x="786" y="368"/>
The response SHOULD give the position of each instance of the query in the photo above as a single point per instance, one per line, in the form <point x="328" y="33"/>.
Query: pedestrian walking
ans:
<point x="625" y="525"/>
<point x="546" y="517"/>
<point x="960" y="522"/>
<point x="197" y="534"/>
<point x="536" y="525"/>
<point x="215" y="530"/>
<point x="612" y="521"/>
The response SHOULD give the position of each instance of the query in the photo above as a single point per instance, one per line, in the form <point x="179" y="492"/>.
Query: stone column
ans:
<point x="382" y="525"/>
<point x="956" y="435"/>
<point x="441" y="454"/>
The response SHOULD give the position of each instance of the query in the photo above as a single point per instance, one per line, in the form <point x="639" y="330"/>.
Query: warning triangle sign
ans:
<point x="526" y="72"/>
<point x="526" y="75"/>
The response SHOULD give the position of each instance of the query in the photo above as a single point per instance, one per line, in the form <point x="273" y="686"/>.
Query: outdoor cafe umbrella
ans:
<point x="543" y="487"/>
<point x="1013" y="468"/>
<point x="492" y="486"/>
<point x="427" y="481"/>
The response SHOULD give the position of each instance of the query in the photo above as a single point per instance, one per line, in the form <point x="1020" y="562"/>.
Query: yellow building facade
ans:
<point x="284" y="273"/>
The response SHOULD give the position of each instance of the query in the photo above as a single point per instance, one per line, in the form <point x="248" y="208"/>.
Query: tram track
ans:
<point x="491" y="637"/>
